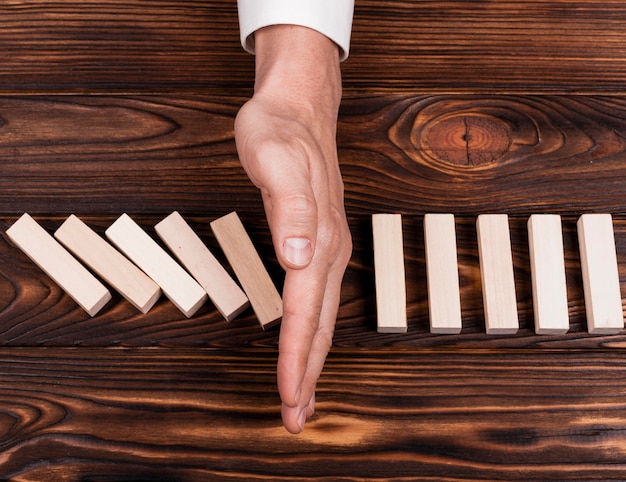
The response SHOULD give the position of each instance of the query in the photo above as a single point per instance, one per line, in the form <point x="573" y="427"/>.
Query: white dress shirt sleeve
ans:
<point x="332" y="18"/>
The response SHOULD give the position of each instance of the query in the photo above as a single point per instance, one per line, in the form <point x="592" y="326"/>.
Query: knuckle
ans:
<point x="299" y="210"/>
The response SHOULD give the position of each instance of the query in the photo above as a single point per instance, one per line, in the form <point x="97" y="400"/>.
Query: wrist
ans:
<point x="300" y="66"/>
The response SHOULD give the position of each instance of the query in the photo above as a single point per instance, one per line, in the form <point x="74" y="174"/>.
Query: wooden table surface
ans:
<point x="463" y="107"/>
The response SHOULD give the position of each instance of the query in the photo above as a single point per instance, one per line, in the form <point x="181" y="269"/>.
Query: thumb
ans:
<point x="293" y="222"/>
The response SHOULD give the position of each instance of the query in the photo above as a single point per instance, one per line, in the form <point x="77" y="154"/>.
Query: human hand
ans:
<point x="286" y="142"/>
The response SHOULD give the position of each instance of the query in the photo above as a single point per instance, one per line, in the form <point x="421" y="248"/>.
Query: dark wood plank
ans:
<point x="477" y="154"/>
<point x="109" y="107"/>
<point x="192" y="46"/>
<point x="34" y="311"/>
<point x="122" y="46"/>
<point x="409" y="154"/>
<point x="435" y="47"/>
<point x="174" y="415"/>
<point x="505" y="46"/>
<point x="108" y="154"/>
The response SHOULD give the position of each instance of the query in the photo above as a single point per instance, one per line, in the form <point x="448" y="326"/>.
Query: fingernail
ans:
<point x="302" y="419"/>
<point x="297" y="251"/>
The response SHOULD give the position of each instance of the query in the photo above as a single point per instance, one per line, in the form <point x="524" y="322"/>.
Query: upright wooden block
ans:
<point x="547" y="266"/>
<point x="389" y="273"/>
<point x="108" y="263"/>
<point x="442" y="273"/>
<point x="245" y="261"/>
<point x="497" y="277"/>
<point x="59" y="264"/>
<point x="176" y="283"/>
<point x="225" y="294"/>
<point x="598" y="260"/>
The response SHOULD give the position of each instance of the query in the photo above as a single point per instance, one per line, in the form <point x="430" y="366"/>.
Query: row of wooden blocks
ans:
<point x="598" y="259"/>
<point x="141" y="270"/>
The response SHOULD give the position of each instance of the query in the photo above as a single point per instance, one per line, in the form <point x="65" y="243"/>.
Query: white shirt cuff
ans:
<point x="332" y="18"/>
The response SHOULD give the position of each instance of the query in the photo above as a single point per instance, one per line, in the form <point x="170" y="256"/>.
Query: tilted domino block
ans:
<point x="225" y="294"/>
<point x="59" y="264"/>
<point x="179" y="287"/>
<point x="251" y="273"/>
<point x="108" y="263"/>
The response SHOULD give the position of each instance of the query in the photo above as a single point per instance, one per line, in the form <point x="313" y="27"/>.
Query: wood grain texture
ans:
<point x="181" y="415"/>
<point x="463" y="107"/>
<point x="157" y="154"/>
<point x="397" y="46"/>
<point x="122" y="46"/>
<point x="561" y="154"/>
<point x="457" y="46"/>
<point x="96" y="154"/>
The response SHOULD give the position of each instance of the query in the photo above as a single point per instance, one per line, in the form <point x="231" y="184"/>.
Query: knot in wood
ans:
<point x="466" y="139"/>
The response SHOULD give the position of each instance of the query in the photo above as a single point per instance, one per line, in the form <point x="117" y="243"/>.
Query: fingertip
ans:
<point x="294" y="418"/>
<point x="297" y="251"/>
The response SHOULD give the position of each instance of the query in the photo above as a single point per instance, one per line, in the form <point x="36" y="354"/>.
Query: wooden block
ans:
<point x="497" y="277"/>
<point x="108" y="263"/>
<point x="442" y="272"/>
<point x="547" y="266"/>
<point x="179" y="287"/>
<point x="225" y="294"/>
<point x="389" y="273"/>
<point x="59" y="264"/>
<point x="598" y="260"/>
<point x="245" y="261"/>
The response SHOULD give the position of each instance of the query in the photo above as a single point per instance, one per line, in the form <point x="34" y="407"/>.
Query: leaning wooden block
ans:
<point x="108" y="263"/>
<point x="245" y="261"/>
<point x="225" y="294"/>
<point x="442" y="273"/>
<point x="598" y="260"/>
<point x="180" y="288"/>
<point x="59" y="264"/>
<point x="547" y="267"/>
<point x="497" y="277"/>
<point x="389" y="273"/>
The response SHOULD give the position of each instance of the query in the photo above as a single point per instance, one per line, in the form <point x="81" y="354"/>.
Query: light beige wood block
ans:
<point x="45" y="251"/>
<point x="179" y="287"/>
<point x="108" y="263"/>
<point x="547" y="267"/>
<point x="442" y="273"/>
<point x="226" y="295"/>
<point x="245" y="261"/>
<point x="389" y="273"/>
<point x="598" y="260"/>
<point x="497" y="277"/>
